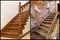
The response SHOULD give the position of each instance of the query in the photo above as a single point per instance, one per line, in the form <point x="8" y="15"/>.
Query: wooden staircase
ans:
<point x="47" y="24"/>
<point x="44" y="30"/>
<point x="14" y="28"/>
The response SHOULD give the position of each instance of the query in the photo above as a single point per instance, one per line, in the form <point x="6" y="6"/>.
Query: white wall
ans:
<point x="8" y="10"/>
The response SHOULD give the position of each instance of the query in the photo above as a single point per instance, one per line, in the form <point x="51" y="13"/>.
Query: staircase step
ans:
<point x="45" y="25"/>
<point x="15" y="18"/>
<point x="51" y="15"/>
<point x="9" y="30"/>
<point x="13" y="24"/>
<point x="36" y="36"/>
<point x="48" y="19"/>
<point x="43" y="28"/>
<point x="14" y="21"/>
<point x="9" y="35"/>
<point x="42" y="33"/>
<point x="12" y="28"/>
<point x="47" y="22"/>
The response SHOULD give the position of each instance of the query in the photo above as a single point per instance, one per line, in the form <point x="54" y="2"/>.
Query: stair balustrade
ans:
<point x="18" y="23"/>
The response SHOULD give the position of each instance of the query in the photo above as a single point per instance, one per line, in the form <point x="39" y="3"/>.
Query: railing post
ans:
<point x="19" y="7"/>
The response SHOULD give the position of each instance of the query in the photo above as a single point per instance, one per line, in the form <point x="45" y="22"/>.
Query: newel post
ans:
<point x="19" y="7"/>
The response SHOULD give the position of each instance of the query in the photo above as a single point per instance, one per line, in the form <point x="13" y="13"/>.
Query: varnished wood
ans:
<point x="14" y="28"/>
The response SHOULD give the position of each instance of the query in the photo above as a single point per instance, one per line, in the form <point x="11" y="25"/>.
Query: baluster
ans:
<point x="22" y="8"/>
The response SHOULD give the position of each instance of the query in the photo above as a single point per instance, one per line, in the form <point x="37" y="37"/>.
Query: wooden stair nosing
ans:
<point x="47" y="22"/>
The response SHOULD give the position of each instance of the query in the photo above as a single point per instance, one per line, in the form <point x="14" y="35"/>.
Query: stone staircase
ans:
<point x="42" y="31"/>
<point x="15" y="27"/>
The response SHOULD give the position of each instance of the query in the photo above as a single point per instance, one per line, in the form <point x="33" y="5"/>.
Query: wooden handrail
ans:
<point x="52" y="27"/>
<point x="23" y="6"/>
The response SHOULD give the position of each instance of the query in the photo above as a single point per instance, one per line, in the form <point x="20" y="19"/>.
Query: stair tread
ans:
<point x="49" y="22"/>
<point x="14" y="21"/>
<point x="36" y="36"/>
<point x="10" y="33"/>
<point x="45" y="25"/>
<point x="39" y="31"/>
<point x="52" y="15"/>
<point x="17" y="23"/>
<point x="43" y="28"/>
<point x="12" y="28"/>
<point x="48" y="19"/>
<point x="12" y="25"/>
